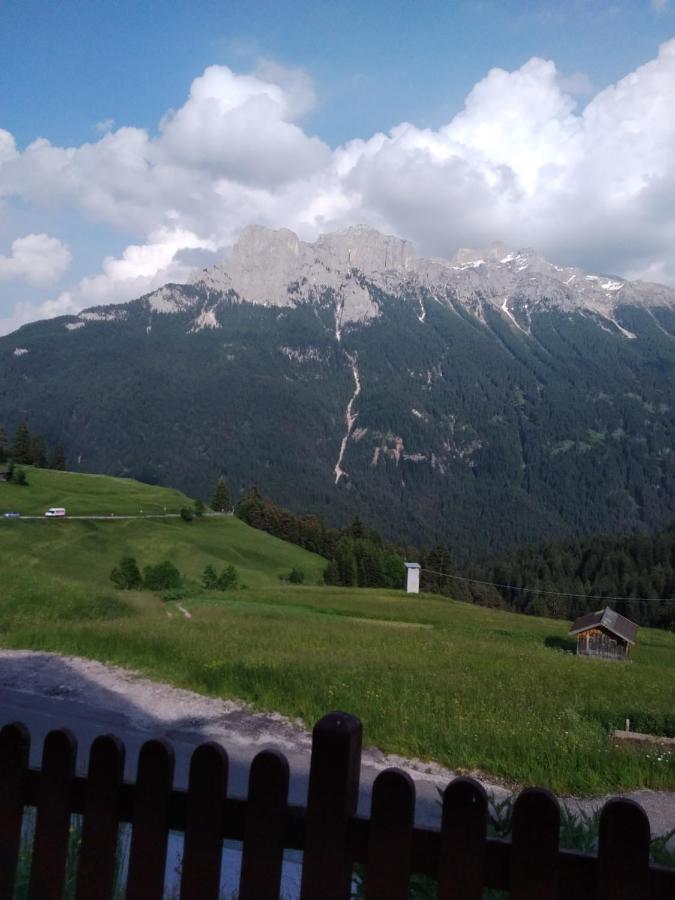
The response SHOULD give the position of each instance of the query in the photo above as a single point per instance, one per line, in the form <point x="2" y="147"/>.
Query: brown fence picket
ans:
<point x="333" y="795"/>
<point x="266" y="806"/>
<point x="100" y="826"/>
<point x="14" y="754"/>
<point x="52" y="824"/>
<point x="461" y="870"/>
<point x="203" y="848"/>
<point x="328" y="832"/>
<point x="150" y="832"/>
<point x="534" y="850"/>
<point x="390" y="836"/>
<point x="623" y="852"/>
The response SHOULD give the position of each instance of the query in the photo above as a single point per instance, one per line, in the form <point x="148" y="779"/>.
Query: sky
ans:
<point x="137" y="139"/>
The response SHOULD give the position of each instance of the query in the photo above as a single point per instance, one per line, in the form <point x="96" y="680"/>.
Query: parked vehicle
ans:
<point x="55" y="512"/>
<point x="12" y="515"/>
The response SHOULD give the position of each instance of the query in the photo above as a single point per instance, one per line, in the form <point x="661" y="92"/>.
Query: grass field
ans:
<point x="84" y="495"/>
<point x="472" y="688"/>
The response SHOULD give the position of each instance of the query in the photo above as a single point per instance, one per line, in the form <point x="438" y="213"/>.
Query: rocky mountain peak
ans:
<point x="275" y="267"/>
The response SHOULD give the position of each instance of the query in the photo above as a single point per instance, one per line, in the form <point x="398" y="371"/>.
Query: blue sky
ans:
<point x="100" y="77"/>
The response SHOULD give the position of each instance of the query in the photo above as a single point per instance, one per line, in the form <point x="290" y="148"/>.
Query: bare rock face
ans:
<point x="276" y="268"/>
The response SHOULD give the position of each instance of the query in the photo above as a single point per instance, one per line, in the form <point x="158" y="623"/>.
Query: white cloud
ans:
<point x="521" y="161"/>
<point x="37" y="258"/>
<point x="659" y="6"/>
<point x="105" y="125"/>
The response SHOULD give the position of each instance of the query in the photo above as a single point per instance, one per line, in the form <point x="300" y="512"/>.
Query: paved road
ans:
<point x="67" y="518"/>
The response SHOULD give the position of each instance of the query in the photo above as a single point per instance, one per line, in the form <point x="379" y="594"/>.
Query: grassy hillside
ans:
<point x="84" y="495"/>
<point x="430" y="677"/>
<point x="84" y="552"/>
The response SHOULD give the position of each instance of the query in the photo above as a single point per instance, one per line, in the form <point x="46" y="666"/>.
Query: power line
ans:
<point x="526" y="590"/>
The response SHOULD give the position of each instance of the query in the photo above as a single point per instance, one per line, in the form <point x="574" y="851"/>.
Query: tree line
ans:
<point x="526" y="580"/>
<point x="633" y="574"/>
<point x="357" y="555"/>
<point x="30" y="449"/>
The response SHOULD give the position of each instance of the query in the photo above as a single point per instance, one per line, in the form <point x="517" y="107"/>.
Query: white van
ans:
<point x="55" y="511"/>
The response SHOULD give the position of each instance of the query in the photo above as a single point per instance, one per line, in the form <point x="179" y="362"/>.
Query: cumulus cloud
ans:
<point x="522" y="161"/>
<point x="37" y="258"/>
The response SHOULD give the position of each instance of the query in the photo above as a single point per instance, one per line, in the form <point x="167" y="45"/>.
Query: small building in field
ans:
<point x="604" y="634"/>
<point x="4" y="476"/>
<point x="412" y="572"/>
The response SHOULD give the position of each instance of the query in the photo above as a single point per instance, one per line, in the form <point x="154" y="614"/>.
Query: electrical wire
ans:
<point x="526" y="590"/>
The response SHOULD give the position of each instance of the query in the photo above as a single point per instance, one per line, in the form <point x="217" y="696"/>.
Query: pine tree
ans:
<point x="210" y="579"/>
<point x="3" y="445"/>
<point x="58" y="460"/>
<point x="38" y="451"/>
<point x="228" y="578"/>
<point x="21" y="449"/>
<point x="221" y="497"/>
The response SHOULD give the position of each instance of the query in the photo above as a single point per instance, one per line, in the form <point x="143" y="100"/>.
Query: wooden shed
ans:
<point x="604" y="634"/>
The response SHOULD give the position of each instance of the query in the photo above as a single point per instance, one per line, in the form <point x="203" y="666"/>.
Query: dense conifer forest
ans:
<point x="634" y="574"/>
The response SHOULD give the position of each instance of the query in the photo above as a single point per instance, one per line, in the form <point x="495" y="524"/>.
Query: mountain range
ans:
<point x="484" y="401"/>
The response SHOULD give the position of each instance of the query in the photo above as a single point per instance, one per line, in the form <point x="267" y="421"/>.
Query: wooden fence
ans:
<point x="328" y="832"/>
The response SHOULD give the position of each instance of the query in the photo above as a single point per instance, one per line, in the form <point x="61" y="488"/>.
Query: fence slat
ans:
<point x="332" y="799"/>
<point x="203" y="850"/>
<point x="263" y="841"/>
<point x="461" y="872"/>
<point x="52" y="824"/>
<point x="14" y="755"/>
<point x="150" y="832"/>
<point x="534" y="851"/>
<point x="390" y="836"/>
<point x="98" y="851"/>
<point x="623" y="852"/>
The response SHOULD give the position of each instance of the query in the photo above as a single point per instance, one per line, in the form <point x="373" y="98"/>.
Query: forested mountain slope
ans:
<point x="487" y="402"/>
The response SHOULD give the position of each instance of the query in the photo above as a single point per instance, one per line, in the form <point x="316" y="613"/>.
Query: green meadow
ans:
<point x="87" y="495"/>
<point x="472" y="688"/>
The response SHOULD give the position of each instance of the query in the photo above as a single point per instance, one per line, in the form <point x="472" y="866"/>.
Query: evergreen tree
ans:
<point x="38" y="451"/>
<point x="228" y="578"/>
<point x="210" y="579"/>
<point x="221" y="497"/>
<point x="199" y="507"/>
<point x="21" y="448"/>
<point x="3" y="445"/>
<point x="58" y="460"/>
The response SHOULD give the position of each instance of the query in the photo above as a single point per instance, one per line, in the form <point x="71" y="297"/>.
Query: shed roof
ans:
<point x="609" y="619"/>
<point x="412" y="565"/>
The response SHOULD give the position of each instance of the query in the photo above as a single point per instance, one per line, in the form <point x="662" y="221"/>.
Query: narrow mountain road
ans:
<point x="47" y="691"/>
<point x="114" y="516"/>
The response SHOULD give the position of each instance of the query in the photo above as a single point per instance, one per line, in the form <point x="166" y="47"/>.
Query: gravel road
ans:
<point x="47" y="691"/>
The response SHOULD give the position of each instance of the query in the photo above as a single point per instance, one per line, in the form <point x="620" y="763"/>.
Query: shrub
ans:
<point x="186" y="514"/>
<point x="228" y="578"/>
<point x="126" y="576"/>
<point x="295" y="576"/>
<point x="161" y="577"/>
<point x="19" y="477"/>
